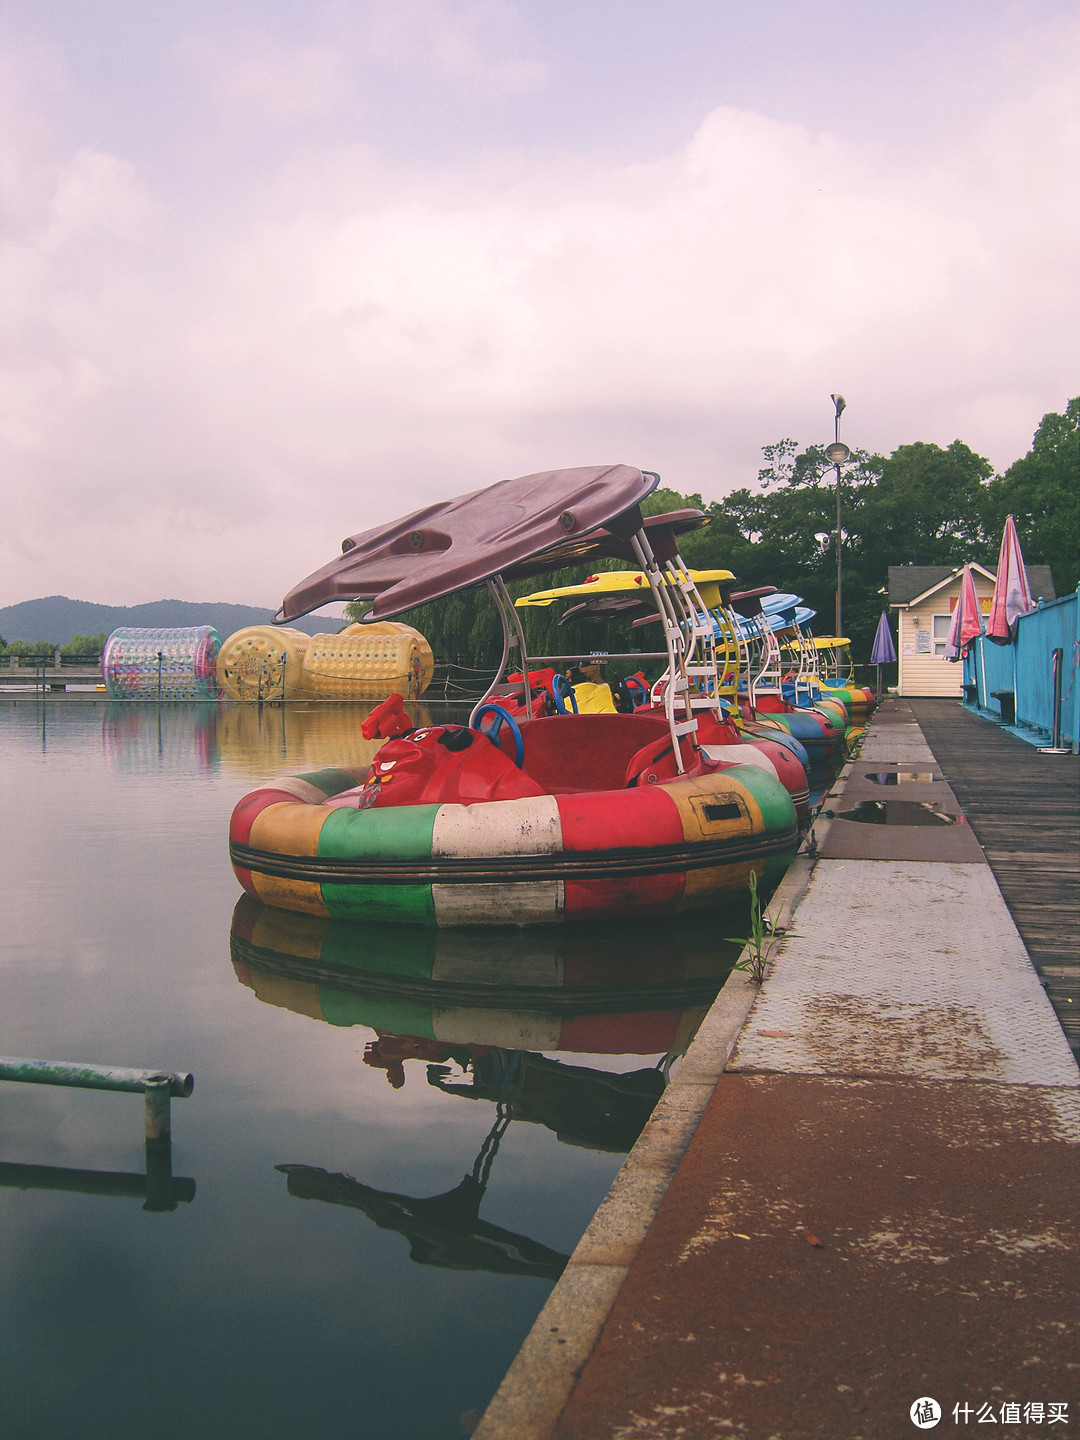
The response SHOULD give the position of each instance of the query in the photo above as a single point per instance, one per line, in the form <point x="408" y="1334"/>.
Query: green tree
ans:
<point x="85" y="646"/>
<point x="783" y="533"/>
<point x="927" y="507"/>
<point x="923" y="504"/>
<point x="1042" y="493"/>
<point x="31" y="649"/>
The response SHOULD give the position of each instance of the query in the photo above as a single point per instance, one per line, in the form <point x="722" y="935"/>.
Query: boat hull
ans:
<point x="679" y="845"/>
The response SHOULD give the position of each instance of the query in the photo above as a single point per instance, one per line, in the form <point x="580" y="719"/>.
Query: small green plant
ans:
<point x="756" y="944"/>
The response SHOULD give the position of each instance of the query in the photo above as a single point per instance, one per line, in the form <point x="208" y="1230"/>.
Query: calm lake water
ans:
<point x="395" y="1137"/>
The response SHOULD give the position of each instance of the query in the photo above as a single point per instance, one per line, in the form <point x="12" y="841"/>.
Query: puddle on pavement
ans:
<point x="899" y="812"/>
<point x="896" y="777"/>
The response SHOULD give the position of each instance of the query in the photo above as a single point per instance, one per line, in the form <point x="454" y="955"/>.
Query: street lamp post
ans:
<point x="838" y="454"/>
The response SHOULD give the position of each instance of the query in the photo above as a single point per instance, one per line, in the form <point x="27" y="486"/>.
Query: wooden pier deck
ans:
<point x="1025" y="811"/>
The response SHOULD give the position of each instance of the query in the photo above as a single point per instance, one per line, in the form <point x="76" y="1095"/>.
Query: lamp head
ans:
<point x="839" y="404"/>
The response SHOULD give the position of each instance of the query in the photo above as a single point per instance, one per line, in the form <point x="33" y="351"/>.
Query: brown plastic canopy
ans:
<point x="747" y="603"/>
<point x="515" y="528"/>
<point x="612" y="544"/>
<point x="608" y="607"/>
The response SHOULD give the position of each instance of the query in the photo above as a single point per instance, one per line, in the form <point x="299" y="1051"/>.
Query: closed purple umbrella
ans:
<point x="884" y="651"/>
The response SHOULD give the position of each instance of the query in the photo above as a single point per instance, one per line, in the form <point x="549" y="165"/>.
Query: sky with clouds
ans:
<point x="273" y="272"/>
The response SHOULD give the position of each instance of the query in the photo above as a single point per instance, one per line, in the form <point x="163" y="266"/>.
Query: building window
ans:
<point x="942" y="626"/>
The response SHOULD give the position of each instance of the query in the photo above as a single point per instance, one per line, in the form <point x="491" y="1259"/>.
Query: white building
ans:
<point x="924" y="598"/>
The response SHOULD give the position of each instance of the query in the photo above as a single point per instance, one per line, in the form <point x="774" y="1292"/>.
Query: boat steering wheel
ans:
<point x="636" y="689"/>
<point x="562" y="690"/>
<point x="492" y="734"/>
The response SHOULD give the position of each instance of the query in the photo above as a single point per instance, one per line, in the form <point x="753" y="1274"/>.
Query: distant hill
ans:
<point x="56" y="619"/>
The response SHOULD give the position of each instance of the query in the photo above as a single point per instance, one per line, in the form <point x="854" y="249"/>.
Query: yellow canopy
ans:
<point x="616" y="582"/>
<point x="828" y="642"/>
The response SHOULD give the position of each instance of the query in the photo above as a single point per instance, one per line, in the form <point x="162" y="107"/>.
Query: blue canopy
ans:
<point x="772" y="603"/>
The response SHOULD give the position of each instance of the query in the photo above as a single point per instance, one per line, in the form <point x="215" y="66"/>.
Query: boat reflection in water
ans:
<point x="298" y="736"/>
<point x="483" y="1011"/>
<point x="259" y="740"/>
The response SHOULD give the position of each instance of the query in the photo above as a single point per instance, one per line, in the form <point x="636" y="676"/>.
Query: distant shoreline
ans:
<point x="55" y="619"/>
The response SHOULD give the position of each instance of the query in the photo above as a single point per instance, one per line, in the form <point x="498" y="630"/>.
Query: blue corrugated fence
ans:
<point x="1026" y="669"/>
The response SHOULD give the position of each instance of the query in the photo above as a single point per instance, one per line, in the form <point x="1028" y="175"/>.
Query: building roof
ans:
<point x="908" y="582"/>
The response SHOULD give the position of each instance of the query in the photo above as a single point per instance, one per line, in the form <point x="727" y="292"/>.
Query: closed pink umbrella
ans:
<point x="1012" y="593"/>
<point x="966" y="620"/>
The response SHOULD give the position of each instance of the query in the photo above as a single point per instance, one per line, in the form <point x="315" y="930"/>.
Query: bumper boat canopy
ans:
<point x="461" y="543"/>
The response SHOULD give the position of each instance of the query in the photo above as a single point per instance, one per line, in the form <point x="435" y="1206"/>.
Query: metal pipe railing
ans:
<point x="160" y="1188"/>
<point x="1056" y="732"/>
<point x="599" y="655"/>
<point x="158" y="1086"/>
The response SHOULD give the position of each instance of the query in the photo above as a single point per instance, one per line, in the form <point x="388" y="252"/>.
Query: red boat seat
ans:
<point x="568" y="753"/>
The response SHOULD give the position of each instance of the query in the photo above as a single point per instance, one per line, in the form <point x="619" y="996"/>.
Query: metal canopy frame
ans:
<point x="689" y="640"/>
<point x="706" y="650"/>
<point x="807" y="678"/>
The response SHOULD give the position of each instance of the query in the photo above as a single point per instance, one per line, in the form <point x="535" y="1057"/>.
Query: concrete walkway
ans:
<point x="860" y="1189"/>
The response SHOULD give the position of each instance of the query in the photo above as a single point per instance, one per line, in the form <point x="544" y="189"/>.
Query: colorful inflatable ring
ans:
<point x="682" y="844"/>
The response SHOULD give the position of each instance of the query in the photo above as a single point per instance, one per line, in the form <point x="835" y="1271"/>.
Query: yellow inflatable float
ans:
<point x="362" y="662"/>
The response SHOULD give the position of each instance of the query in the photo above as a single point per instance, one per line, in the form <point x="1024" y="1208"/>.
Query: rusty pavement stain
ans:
<point x="849" y="1033"/>
<point x="949" y="1264"/>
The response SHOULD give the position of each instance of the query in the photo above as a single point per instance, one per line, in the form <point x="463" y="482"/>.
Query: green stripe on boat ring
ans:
<point x="401" y="833"/>
<point x="330" y="781"/>
<point x="777" y="806"/>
